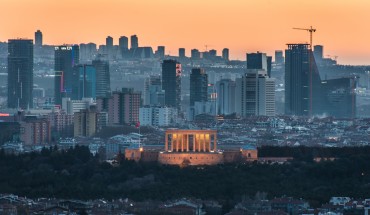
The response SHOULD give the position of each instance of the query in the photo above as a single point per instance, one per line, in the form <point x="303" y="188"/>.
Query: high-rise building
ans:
<point x="102" y="78"/>
<point x="157" y="116"/>
<point x="257" y="94"/>
<point x="182" y="53"/>
<point x="198" y="86"/>
<point x="171" y="83"/>
<point x="65" y="58"/>
<point x="225" y="97"/>
<point x="20" y="73"/>
<point x="257" y="61"/>
<point x="123" y="45"/>
<point x="302" y="80"/>
<point x="225" y="54"/>
<point x="318" y="52"/>
<point x="153" y="93"/>
<point x="279" y="58"/>
<point x="160" y="51"/>
<point x="35" y="130"/>
<point x="109" y="42"/>
<point x="195" y="54"/>
<point x="85" y="123"/>
<point x="84" y="82"/>
<point x="134" y="42"/>
<point x="87" y="52"/>
<point x="38" y="39"/>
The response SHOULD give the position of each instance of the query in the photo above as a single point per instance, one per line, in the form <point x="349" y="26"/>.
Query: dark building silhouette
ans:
<point x="269" y="64"/>
<point x="65" y="58"/>
<point x="195" y="54"/>
<point x="38" y="39"/>
<point x="123" y="45"/>
<point x="102" y="78"/>
<point x="182" y="53"/>
<point x="318" y="52"/>
<point x="279" y="58"/>
<point x="259" y="61"/>
<point x="20" y="73"/>
<point x="109" y="42"/>
<point x="160" y="51"/>
<point x="225" y="54"/>
<point x="297" y="80"/>
<point x="134" y="42"/>
<point x="171" y="83"/>
<point x="84" y="82"/>
<point x="198" y="86"/>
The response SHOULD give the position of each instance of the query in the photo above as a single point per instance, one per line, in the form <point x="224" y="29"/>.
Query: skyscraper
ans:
<point x="109" y="42"/>
<point x="318" y="52"/>
<point x="257" y="61"/>
<point x="297" y="80"/>
<point x="20" y="73"/>
<point x="134" y="42"/>
<point x="102" y="78"/>
<point x="225" y="96"/>
<point x="171" y="83"/>
<point x="160" y="51"/>
<point x="65" y="58"/>
<point x="182" y="53"/>
<point x="153" y="93"/>
<point x="257" y="94"/>
<point x="225" y="54"/>
<point x="279" y="58"/>
<point x="198" y="86"/>
<point x="84" y="82"/>
<point x="123" y="46"/>
<point x="195" y="54"/>
<point x="38" y="39"/>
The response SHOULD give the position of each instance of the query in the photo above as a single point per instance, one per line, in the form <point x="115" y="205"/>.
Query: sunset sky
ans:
<point x="343" y="26"/>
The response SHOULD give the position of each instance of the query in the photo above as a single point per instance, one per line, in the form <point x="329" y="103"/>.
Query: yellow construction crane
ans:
<point x="311" y="30"/>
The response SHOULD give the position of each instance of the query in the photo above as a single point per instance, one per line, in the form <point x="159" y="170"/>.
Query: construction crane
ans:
<point x="311" y="30"/>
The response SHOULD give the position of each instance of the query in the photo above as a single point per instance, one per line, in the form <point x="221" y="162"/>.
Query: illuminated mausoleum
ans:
<point x="192" y="147"/>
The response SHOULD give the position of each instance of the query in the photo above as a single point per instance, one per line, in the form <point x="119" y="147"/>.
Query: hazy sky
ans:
<point x="343" y="26"/>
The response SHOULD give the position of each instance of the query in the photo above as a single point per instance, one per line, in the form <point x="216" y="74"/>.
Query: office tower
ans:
<point x="153" y="93"/>
<point x="225" y="97"/>
<point x="123" y="45"/>
<point x="318" y="52"/>
<point x="198" y="86"/>
<point x="182" y="53"/>
<point x="85" y="122"/>
<point x="84" y="85"/>
<point x="302" y="81"/>
<point x="257" y="94"/>
<point x="195" y="54"/>
<point x="212" y="53"/>
<point x="225" y="54"/>
<point x="134" y="42"/>
<point x="123" y="42"/>
<point x="160" y="52"/>
<point x="269" y="64"/>
<point x="257" y="61"/>
<point x="279" y="58"/>
<point x="102" y="78"/>
<point x="109" y="43"/>
<point x="65" y="58"/>
<point x="87" y="52"/>
<point x="20" y="73"/>
<point x="171" y="83"/>
<point x="38" y="39"/>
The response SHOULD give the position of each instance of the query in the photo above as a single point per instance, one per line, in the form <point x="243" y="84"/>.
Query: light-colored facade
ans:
<point x="85" y="123"/>
<point x="225" y="96"/>
<point x="157" y="116"/>
<point x="256" y="93"/>
<point x="73" y="106"/>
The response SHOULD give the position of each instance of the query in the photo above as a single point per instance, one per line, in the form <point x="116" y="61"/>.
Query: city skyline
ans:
<point x="191" y="24"/>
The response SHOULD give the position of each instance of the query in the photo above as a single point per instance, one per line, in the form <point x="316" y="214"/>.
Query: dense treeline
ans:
<point x="303" y="151"/>
<point x="78" y="174"/>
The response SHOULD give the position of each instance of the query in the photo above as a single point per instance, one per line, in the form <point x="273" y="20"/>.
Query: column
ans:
<point x="199" y="142"/>
<point x="215" y="142"/>
<point x="204" y="142"/>
<point x="171" y="142"/>
<point x="187" y="142"/>
<point x="166" y="143"/>
<point x="182" y="142"/>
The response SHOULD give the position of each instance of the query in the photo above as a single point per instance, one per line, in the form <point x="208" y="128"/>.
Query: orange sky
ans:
<point x="343" y="26"/>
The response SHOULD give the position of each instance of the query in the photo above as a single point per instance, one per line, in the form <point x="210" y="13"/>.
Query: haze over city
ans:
<point x="241" y="25"/>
